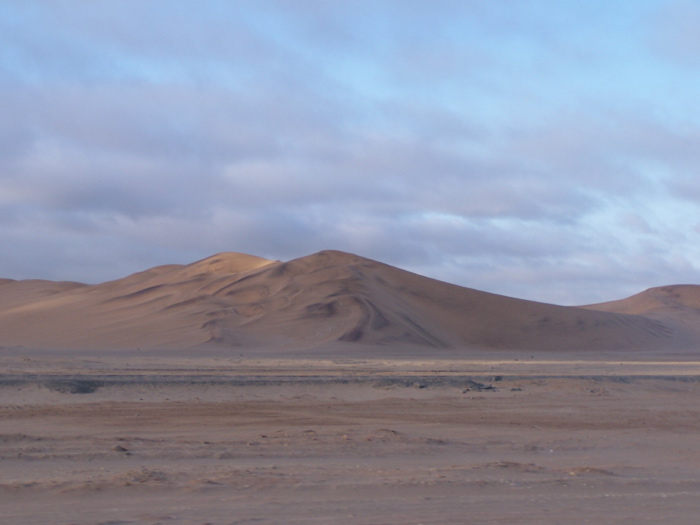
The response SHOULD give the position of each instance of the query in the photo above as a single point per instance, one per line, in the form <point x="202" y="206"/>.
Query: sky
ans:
<point x="546" y="150"/>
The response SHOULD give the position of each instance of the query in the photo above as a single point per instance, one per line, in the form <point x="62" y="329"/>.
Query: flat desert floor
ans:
<point x="493" y="438"/>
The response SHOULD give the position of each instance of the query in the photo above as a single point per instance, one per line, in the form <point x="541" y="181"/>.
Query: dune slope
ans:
<point x="233" y="299"/>
<point x="676" y="306"/>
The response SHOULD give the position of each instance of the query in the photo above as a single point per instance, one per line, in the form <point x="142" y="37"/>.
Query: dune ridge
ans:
<point x="233" y="299"/>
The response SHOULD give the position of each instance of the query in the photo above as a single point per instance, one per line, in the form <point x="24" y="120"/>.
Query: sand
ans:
<point x="336" y="389"/>
<point x="240" y="301"/>
<point x="175" y="438"/>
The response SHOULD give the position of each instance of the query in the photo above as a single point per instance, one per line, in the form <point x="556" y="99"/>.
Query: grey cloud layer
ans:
<point x="140" y="133"/>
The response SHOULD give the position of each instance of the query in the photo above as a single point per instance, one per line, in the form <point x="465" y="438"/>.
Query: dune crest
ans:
<point x="655" y="300"/>
<point x="227" y="263"/>
<point x="234" y="299"/>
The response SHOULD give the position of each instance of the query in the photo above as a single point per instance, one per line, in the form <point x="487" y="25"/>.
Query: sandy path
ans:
<point x="219" y="440"/>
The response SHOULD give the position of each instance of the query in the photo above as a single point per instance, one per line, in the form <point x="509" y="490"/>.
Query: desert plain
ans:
<point x="342" y="391"/>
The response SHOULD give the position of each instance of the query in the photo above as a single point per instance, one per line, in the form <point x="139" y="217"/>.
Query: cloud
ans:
<point x="495" y="145"/>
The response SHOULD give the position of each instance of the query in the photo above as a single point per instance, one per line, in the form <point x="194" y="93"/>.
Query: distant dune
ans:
<point x="233" y="299"/>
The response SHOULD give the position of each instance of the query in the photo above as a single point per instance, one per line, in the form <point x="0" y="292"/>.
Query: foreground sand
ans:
<point x="149" y="437"/>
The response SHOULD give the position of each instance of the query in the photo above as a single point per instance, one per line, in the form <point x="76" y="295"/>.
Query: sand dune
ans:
<point x="664" y="299"/>
<point x="336" y="389"/>
<point x="233" y="299"/>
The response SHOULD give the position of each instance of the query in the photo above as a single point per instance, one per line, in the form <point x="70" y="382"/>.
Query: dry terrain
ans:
<point x="336" y="389"/>
<point x="342" y="437"/>
<point x="234" y="300"/>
